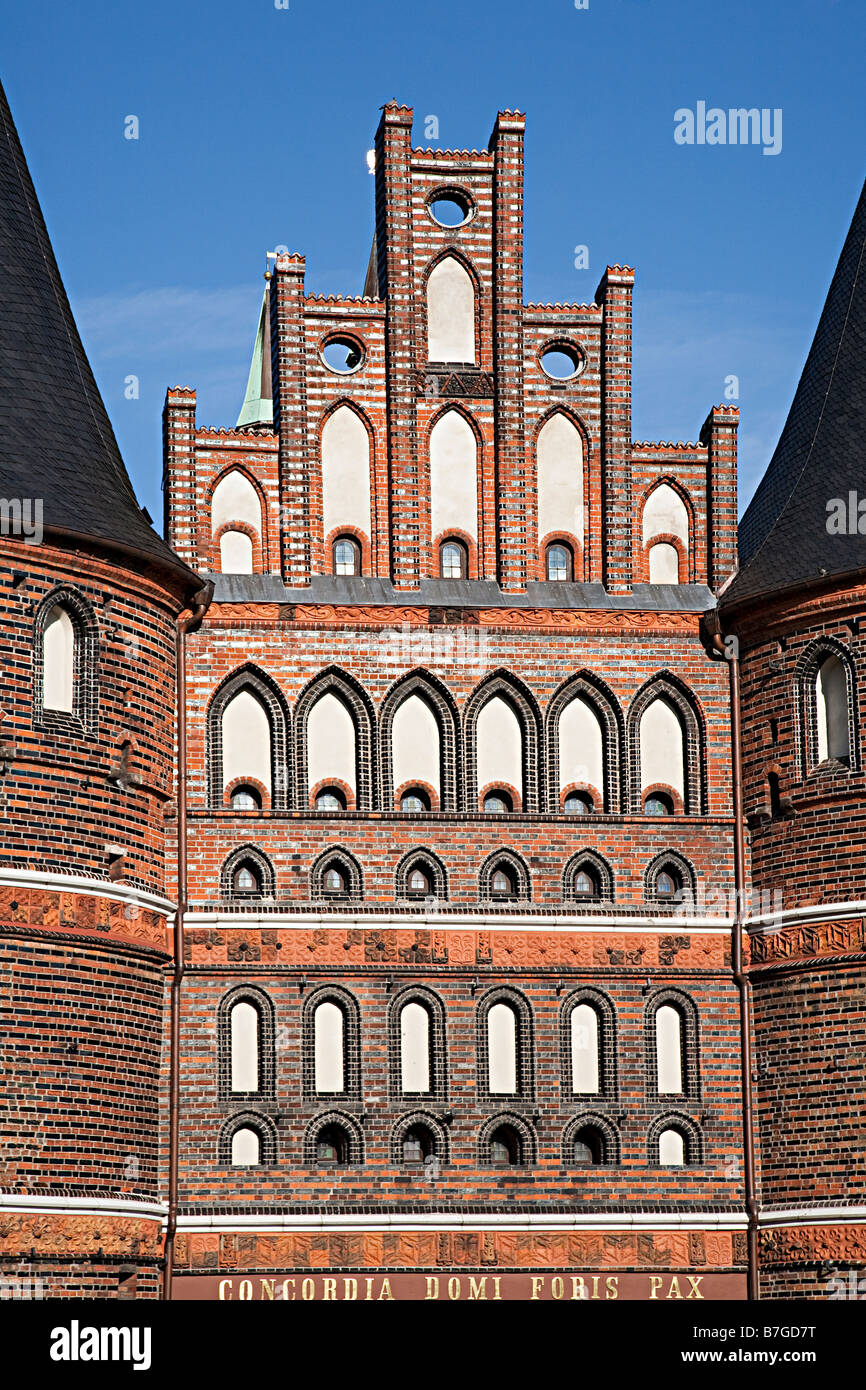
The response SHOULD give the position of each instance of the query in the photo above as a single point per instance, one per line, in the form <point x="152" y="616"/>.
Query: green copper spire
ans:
<point x="258" y="406"/>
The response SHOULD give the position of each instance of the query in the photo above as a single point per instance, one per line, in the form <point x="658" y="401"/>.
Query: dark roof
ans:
<point x="821" y="454"/>
<point x="56" y="441"/>
<point x="459" y="593"/>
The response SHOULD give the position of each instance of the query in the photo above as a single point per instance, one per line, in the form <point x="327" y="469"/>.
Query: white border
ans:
<point x="477" y="1221"/>
<point x="820" y="912"/>
<point x="703" y="926"/>
<point x="80" y="883"/>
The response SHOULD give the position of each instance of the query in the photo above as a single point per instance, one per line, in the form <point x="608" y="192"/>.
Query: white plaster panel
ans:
<point x="560" y="478"/>
<point x="345" y="472"/>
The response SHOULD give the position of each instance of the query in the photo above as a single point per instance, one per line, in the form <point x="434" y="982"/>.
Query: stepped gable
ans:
<point x="821" y="454"/>
<point x="56" y="441"/>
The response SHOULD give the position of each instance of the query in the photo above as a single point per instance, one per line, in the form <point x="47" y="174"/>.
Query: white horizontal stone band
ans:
<point x="478" y="1221"/>
<point x="812" y="1216"/>
<point x="821" y="912"/>
<point x="78" y="883"/>
<point x="80" y="1206"/>
<point x="706" y="926"/>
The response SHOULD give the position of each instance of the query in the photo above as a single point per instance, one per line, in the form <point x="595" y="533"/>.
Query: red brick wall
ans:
<point x="60" y="807"/>
<point x="807" y="971"/>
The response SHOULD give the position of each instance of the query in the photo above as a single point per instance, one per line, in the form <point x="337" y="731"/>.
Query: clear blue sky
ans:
<point x="254" y="124"/>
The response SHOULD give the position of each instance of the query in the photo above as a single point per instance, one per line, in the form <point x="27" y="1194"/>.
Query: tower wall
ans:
<point x="83" y="943"/>
<point x="807" y="945"/>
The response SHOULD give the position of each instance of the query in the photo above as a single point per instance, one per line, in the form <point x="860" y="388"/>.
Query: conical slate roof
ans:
<point x="784" y="539"/>
<point x="56" y="441"/>
<point x="258" y="406"/>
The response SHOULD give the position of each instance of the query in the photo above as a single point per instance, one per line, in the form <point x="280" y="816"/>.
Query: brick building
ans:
<point x="454" y="747"/>
<point x="459" y="1005"/>
<point x="797" y="607"/>
<point x="90" y="597"/>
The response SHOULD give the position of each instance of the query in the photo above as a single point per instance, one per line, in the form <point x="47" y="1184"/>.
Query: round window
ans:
<point x="344" y="355"/>
<point x="562" y="361"/>
<point x="450" y="209"/>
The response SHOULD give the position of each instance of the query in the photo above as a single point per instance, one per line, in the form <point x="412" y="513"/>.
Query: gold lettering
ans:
<point x="350" y="1288"/>
<point x="578" y="1288"/>
<point x="286" y="1284"/>
<point x="245" y="1289"/>
<point x="329" y="1290"/>
<point x="694" y="1291"/>
<point x="612" y="1286"/>
<point x="432" y="1286"/>
<point x="537" y="1285"/>
<point x="385" y="1291"/>
<point x="497" y="1280"/>
<point x="557" y="1286"/>
<point x="656" y="1282"/>
<point x="308" y="1289"/>
<point x="595" y="1293"/>
<point x="268" y="1288"/>
<point x="477" y="1289"/>
<point x="223" y="1285"/>
<point x="369" y="1294"/>
<point x="454" y="1289"/>
<point x="674" y="1290"/>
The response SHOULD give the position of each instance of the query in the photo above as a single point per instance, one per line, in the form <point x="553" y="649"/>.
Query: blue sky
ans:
<point x="254" y="123"/>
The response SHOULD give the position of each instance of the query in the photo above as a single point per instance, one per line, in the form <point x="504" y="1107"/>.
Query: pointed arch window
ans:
<point x="585" y="1050"/>
<point x="502" y="1045"/>
<point x="418" y="883"/>
<point x="334" y="881"/>
<point x="329" y="1045"/>
<point x="414" y="1049"/>
<point x="586" y="883"/>
<point x="58" y="658"/>
<point x="246" y="881"/>
<point x="502" y="883"/>
<point x="244" y="1031"/>
<point x="831" y="710"/>
<point x="668" y="884"/>
<point x="669" y="1051"/>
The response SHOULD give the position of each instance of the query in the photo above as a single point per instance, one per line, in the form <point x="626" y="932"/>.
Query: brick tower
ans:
<point x="797" y="608"/>
<point x="454" y="1021"/>
<point x="90" y="597"/>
